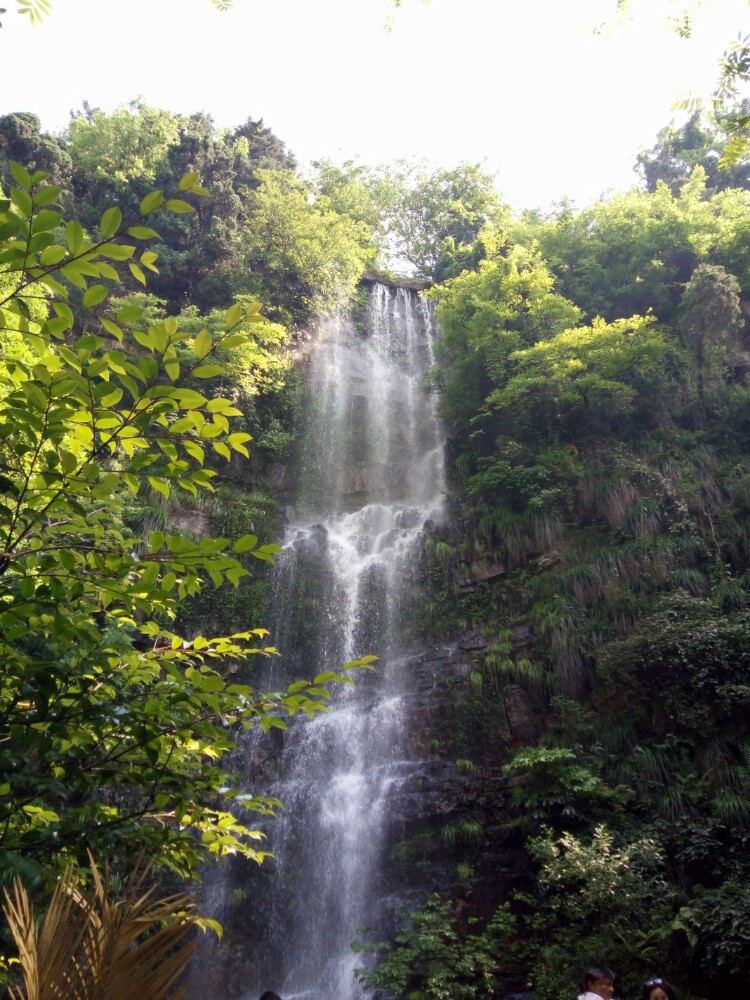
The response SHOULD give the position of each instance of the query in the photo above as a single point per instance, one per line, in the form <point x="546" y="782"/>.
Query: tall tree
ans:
<point x="711" y="318"/>
<point x="678" y="149"/>
<point x="302" y="257"/>
<point x="435" y="217"/>
<point x="112" y="725"/>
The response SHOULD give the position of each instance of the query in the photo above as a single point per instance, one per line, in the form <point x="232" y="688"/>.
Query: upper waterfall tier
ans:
<point x="372" y="433"/>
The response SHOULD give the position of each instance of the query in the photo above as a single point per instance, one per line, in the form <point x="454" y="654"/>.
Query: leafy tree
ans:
<point x="678" y="149"/>
<point x="202" y="261"/>
<point x="129" y="145"/>
<point x="117" y="157"/>
<point x="595" y="897"/>
<point x="633" y="253"/>
<point x="506" y="304"/>
<point x="22" y="140"/>
<point x="360" y="193"/>
<point x="586" y="378"/>
<point x="434" y="218"/>
<point x="711" y="320"/>
<point x="111" y="725"/>
<point x="305" y="257"/>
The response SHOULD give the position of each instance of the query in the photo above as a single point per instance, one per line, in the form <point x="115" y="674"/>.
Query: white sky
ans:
<point x="524" y="87"/>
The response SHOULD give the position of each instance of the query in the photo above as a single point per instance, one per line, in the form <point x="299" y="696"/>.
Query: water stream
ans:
<point x="348" y="583"/>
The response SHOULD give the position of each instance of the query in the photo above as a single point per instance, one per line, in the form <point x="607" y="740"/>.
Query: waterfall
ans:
<point x="348" y="584"/>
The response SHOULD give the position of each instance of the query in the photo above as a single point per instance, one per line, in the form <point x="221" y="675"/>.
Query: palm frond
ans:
<point x="89" y="947"/>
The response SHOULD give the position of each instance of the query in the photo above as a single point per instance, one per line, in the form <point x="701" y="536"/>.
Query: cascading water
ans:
<point x="348" y="584"/>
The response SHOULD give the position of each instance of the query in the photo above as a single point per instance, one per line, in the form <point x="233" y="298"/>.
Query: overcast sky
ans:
<point x="526" y="87"/>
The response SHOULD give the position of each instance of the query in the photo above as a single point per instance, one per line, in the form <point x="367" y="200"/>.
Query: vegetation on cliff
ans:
<point x="594" y="382"/>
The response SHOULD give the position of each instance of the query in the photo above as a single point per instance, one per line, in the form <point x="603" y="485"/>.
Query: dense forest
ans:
<point x="158" y="277"/>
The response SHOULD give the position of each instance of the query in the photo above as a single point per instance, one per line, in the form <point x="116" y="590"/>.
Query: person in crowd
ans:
<point x="598" y="983"/>
<point x="658" y="989"/>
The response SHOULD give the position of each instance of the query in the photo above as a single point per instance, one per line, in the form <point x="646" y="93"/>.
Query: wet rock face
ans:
<point x="444" y="797"/>
<point x="524" y="721"/>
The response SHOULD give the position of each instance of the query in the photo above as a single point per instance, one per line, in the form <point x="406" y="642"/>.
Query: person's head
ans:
<point x="270" y="995"/>
<point x="657" y="989"/>
<point x="599" y="979"/>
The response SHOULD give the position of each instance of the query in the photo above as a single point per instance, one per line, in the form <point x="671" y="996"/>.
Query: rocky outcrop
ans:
<point x="395" y="280"/>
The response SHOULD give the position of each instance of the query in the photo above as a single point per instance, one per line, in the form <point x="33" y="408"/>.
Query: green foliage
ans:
<point x="632" y="253"/>
<point x="465" y="831"/>
<point x="130" y="145"/>
<point x="309" y="256"/>
<point x="112" y="726"/>
<point x="555" y="787"/>
<point x="697" y="142"/>
<point x="595" y="898"/>
<point x="434" y="219"/>
<point x="430" y="960"/>
<point x="116" y="158"/>
<point x="486" y="315"/>
<point x="22" y="140"/>
<point x="587" y="377"/>
<point x="600" y="481"/>
<point x="711" y="320"/>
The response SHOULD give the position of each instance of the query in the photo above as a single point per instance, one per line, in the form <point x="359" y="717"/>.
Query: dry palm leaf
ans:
<point x="93" y="948"/>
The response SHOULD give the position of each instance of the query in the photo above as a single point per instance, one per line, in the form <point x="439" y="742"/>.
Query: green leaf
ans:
<point x="107" y="271"/>
<point x="74" y="276"/>
<point x="182" y="426"/>
<point x="74" y="236"/>
<point x="137" y="273"/>
<point x="194" y="450"/>
<point x="188" y="181"/>
<point x="95" y="295"/>
<point x="52" y="255"/>
<point x="208" y="371"/>
<point x="46" y="220"/>
<point x="110" y="222"/>
<point x="22" y="201"/>
<point x="179" y="206"/>
<point x="147" y="259"/>
<point x="47" y="195"/>
<point x="68" y="462"/>
<point x="155" y="542"/>
<point x="117" y="251"/>
<point x="129" y="314"/>
<point x="143" y="233"/>
<point x="202" y="344"/>
<point x="131" y="482"/>
<point x="20" y="175"/>
<point x="159" y="485"/>
<point x="245" y="543"/>
<point x="234" y="315"/>
<point x="112" y="328"/>
<point x="151" y="202"/>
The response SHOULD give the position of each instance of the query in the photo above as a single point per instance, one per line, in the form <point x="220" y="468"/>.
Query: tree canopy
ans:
<point x="113" y="726"/>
